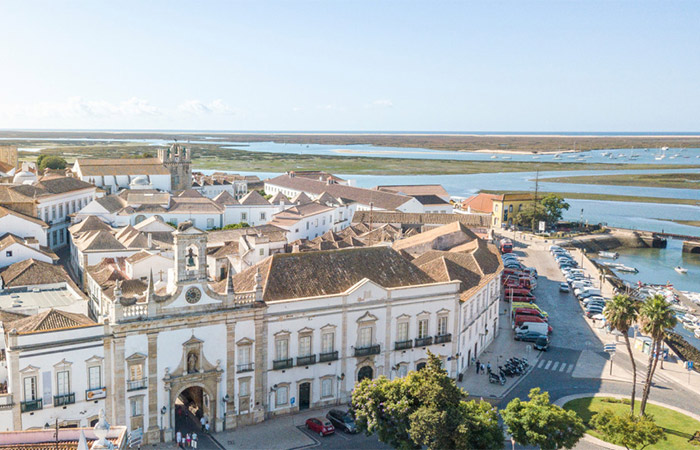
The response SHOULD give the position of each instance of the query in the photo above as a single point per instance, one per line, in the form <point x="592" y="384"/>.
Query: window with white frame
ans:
<point x="422" y="328"/>
<point x="305" y="345"/>
<point x="244" y="354"/>
<point x="327" y="387"/>
<point x="63" y="382"/>
<point x="210" y="223"/>
<point x="263" y="216"/>
<point x="282" y="395"/>
<point x="262" y="252"/>
<point x="402" y="331"/>
<point x="327" y="342"/>
<point x="364" y="337"/>
<point x="244" y="387"/>
<point x="135" y="372"/>
<point x="281" y="348"/>
<point x="244" y="217"/>
<point x="442" y="326"/>
<point x="403" y="370"/>
<point x="94" y="377"/>
<point x="29" y="388"/>
<point x="136" y="404"/>
<point x="307" y="225"/>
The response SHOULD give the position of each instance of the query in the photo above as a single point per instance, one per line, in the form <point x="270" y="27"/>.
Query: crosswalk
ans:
<point x="556" y="366"/>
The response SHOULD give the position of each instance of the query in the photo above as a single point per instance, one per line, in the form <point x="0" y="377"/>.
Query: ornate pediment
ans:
<point x="193" y="361"/>
<point x="367" y="317"/>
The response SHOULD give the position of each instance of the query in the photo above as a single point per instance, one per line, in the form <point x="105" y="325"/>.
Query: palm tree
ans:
<point x="621" y="313"/>
<point x="655" y="316"/>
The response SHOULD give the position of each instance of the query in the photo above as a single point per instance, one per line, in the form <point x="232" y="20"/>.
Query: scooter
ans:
<point x="493" y="378"/>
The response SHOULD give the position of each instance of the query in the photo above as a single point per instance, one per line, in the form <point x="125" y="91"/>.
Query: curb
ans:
<point x="594" y="440"/>
<point x="507" y="391"/>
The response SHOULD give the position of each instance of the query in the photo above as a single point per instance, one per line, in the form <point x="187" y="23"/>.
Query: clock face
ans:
<point x="193" y="295"/>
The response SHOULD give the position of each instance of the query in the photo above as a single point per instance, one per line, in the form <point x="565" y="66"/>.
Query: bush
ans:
<point x="50" y="162"/>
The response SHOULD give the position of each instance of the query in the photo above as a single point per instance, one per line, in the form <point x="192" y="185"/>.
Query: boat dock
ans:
<point x="693" y="308"/>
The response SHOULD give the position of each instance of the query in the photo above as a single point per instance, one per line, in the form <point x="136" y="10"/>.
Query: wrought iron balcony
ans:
<point x="64" y="399"/>
<point x="245" y="367"/>
<point x="31" y="405"/>
<point x="328" y="356"/>
<point x="282" y="364"/>
<point x="422" y="342"/>
<point x="135" y="385"/>
<point x="366" y="351"/>
<point x="403" y="345"/>
<point x="306" y="360"/>
<point x="443" y="338"/>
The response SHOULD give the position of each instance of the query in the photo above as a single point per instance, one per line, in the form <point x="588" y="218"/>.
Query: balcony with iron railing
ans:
<point x="422" y="342"/>
<point x="328" y="356"/>
<point x="31" y="405"/>
<point x="306" y="360"/>
<point x="366" y="351"/>
<point x="247" y="367"/>
<point x="442" y="338"/>
<point x="135" y="385"/>
<point x="280" y="364"/>
<point x="64" y="399"/>
<point x="403" y="345"/>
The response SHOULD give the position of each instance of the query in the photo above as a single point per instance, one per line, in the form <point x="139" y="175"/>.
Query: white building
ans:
<point x="22" y="225"/>
<point x="241" y="248"/>
<point x="252" y="209"/>
<point x="212" y="185"/>
<point x="290" y="185"/>
<point x="15" y="249"/>
<point x="311" y="220"/>
<point x="52" y="198"/>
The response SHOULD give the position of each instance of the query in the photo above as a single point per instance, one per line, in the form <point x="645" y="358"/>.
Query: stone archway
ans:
<point x="190" y="401"/>
<point x="365" y="372"/>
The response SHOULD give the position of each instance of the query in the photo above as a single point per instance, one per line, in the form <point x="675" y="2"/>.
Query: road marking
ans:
<point x="549" y="363"/>
<point x="542" y="361"/>
<point x="571" y="368"/>
<point x="554" y="367"/>
<point x="563" y="366"/>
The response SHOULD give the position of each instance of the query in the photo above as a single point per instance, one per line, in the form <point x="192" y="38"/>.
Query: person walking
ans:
<point x="203" y="421"/>
<point x="194" y="440"/>
<point x="478" y="366"/>
<point x="206" y="427"/>
<point x="483" y="368"/>
<point x="488" y="366"/>
<point x="178" y="439"/>
<point x="188" y="440"/>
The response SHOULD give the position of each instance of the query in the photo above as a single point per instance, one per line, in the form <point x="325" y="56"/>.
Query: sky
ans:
<point x="356" y="65"/>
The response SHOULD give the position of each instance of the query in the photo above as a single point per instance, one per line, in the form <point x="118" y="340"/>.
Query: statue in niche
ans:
<point x="190" y="257"/>
<point x="192" y="363"/>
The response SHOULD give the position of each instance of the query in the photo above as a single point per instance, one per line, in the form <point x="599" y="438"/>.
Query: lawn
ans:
<point x="679" y="427"/>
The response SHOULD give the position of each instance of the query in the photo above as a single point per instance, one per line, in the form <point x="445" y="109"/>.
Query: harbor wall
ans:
<point x="691" y="247"/>
<point x="618" y="238"/>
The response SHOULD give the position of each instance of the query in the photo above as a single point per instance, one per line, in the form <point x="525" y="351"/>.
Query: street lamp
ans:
<point x="340" y="378"/>
<point x="225" y="401"/>
<point x="163" y="410"/>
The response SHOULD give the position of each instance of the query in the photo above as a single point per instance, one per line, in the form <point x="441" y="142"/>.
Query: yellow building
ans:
<point x="506" y="206"/>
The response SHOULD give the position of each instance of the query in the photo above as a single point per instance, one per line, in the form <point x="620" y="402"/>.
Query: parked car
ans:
<point x="541" y="343"/>
<point x="594" y="311"/>
<point x="528" y="336"/>
<point x="320" y="425"/>
<point x="342" y="420"/>
<point x="563" y="287"/>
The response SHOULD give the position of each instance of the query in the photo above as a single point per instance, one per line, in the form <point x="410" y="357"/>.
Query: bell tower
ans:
<point x="190" y="254"/>
<point x="178" y="160"/>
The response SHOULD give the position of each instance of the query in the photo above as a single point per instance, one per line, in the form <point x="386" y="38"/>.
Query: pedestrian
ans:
<point x="203" y="421"/>
<point x="178" y="439"/>
<point x="194" y="440"/>
<point x="483" y="368"/>
<point x="188" y="440"/>
<point x="488" y="366"/>
<point x="478" y="366"/>
<point x="206" y="427"/>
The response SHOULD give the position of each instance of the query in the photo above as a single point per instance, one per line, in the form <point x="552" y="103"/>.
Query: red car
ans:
<point x="320" y="425"/>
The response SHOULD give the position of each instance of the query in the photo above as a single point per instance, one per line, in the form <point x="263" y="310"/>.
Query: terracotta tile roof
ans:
<point x="9" y="316"/>
<point x="480" y="203"/>
<point x="9" y="239"/>
<point x="125" y="166"/>
<point x="297" y="213"/>
<point x="470" y="220"/>
<point x="515" y="197"/>
<point x="8" y="212"/>
<point x="51" y="320"/>
<point x="189" y="193"/>
<point x="5" y="167"/>
<point x="414" y="189"/>
<point x="140" y="256"/>
<point x="98" y="240"/>
<point x="228" y="249"/>
<point x="301" y="199"/>
<point x="380" y="199"/>
<point x="317" y="175"/>
<point x="91" y="223"/>
<point x="112" y="203"/>
<point x="46" y="186"/>
<point x="134" y="198"/>
<point x="279" y="198"/>
<point x="436" y="237"/>
<point x="196" y="205"/>
<point x="309" y="274"/>
<point x="32" y="272"/>
<point x="254" y="198"/>
<point x="272" y="232"/>
<point x="224" y="199"/>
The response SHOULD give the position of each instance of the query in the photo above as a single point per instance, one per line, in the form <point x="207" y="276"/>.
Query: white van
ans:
<point x="539" y="327"/>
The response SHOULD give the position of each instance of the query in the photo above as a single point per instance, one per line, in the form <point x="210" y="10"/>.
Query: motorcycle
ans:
<point x="493" y="378"/>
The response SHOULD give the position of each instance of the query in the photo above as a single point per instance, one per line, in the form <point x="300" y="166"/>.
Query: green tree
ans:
<point x="236" y="226"/>
<point x="50" y="162"/>
<point x="530" y="215"/>
<point x="628" y="430"/>
<point x="621" y="313"/>
<point x="655" y="316"/>
<point x="425" y="409"/>
<point x="554" y="206"/>
<point x="538" y="422"/>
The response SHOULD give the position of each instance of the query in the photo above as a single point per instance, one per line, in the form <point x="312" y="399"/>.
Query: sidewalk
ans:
<point x="501" y="349"/>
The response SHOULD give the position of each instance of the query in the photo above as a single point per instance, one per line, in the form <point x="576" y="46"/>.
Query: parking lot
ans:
<point x="341" y="440"/>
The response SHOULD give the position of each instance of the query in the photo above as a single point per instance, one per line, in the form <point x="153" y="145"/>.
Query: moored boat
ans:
<point x="680" y="269"/>
<point x="611" y="255"/>
<point x="627" y="269"/>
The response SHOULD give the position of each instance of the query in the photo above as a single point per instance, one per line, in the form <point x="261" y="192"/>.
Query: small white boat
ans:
<point x="494" y="157"/>
<point x="697" y="333"/>
<point x="627" y="269"/>
<point x="611" y="255"/>
<point x="680" y="269"/>
<point x="606" y="153"/>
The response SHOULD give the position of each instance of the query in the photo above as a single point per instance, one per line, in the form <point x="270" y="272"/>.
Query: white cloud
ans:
<point x="382" y="103"/>
<point x="198" y="107"/>
<point x="77" y="107"/>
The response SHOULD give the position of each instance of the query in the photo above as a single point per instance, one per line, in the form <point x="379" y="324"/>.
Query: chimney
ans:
<point x="469" y="209"/>
<point x="150" y="240"/>
<point x="258" y="286"/>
